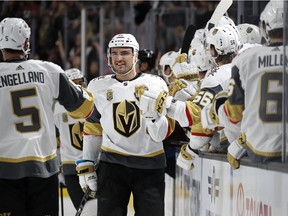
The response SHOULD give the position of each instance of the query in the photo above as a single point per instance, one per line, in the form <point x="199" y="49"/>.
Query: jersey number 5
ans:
<point x="21" y="111"/>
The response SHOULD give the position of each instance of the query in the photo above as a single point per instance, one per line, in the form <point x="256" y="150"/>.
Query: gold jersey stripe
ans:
<point x="29" y="158"/>
<point x="125" y="154"/>
<point x="85" y="109"/>
<point x="92" y="128"/>
<point x="262" y="153"/>
<point x="171" y="123"/>
<point x="189" y="77"/>
<point x="198" y="129"/>
<point x="234" y="112"/>
<point x="58" y="142"/>
<point x="194" y="111"/>
<point x="68" y="162"/>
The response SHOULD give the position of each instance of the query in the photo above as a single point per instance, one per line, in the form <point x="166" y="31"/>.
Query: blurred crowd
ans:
<point x="56" y="27"/>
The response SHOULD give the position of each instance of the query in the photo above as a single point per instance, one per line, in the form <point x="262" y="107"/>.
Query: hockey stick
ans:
<point x="83" y="202"/>
<point x="221" y="8"/>
<point x="61" y="198"/>
<point x="189" y="34"/>
<point x="87" y="193"/>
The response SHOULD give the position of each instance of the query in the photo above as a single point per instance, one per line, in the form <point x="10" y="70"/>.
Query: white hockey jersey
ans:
<point x="28" y="90"/>
<point x="257" y="98"/>
<point x="232" y="129"/>
<point x="215" y="80"/>
<point x="125" y="137"/>
<point x="70" y="144"/>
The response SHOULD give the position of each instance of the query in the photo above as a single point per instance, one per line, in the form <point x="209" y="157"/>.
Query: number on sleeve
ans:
<point x="203" y="98"/>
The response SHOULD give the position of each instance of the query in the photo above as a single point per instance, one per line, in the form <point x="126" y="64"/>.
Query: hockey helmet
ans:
<point x="198" y="38"/>
<point x="224" y="38"/>
<point x="124" y="40"/>
<point x="224" y="20"/>
<point x="273" y="15"/>
<point x="168" y="59"/>
<point x="200" y="58"/>
<point x="13" y="33"/>
<point x="249" y="33"/>
<point x="74" y="73"/>
<point x="148" y="56"/>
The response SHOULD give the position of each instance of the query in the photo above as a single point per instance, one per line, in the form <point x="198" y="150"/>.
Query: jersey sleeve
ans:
<point x="234" y="106"/>
<point x="77" y="100"/>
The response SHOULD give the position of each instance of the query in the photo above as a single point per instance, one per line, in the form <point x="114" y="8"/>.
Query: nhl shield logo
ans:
<point x="109" y="94"/>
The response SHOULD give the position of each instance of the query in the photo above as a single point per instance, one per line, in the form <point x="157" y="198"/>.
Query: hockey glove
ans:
<point x="187" y="92"/>
<point x="87" y="176"/>
<point x="176" y="86"/>
<point x="184" y="69"/>
<point x="153" y="100"/>
<point x="236" y="151"/>
<point x="209" y="113"/>
<point x="186" y="157"/>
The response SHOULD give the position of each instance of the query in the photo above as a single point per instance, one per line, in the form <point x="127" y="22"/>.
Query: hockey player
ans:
<point x="250" y="37"/>
<point x="189" y="75"/>
<point x="71" y="142"/>
<point x="146" y="62"/>
<point x="132" y="157"/>
<point x="165" y="66"/>
<point x="224" y="43"/>
<point x="258" y="72"/>
<point x="249" y="33"/>
<point x="28" y="90"/>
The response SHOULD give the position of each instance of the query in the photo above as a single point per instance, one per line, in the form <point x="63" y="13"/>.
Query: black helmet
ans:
<point x="147" y="56"/>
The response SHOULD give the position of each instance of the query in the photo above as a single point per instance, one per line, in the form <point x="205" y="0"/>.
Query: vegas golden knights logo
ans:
<point x="75" y="135"/>
<point x="126" y="117"/>
<point x="109" y="94"/>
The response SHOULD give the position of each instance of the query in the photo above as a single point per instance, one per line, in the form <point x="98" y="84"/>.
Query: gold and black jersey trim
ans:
<point x="233" y="112"/>
<point x="171" y="126"/>
<point x="93" y="128"/>
<point x="263" y="153"/>
<point x="28" y="158"/>
<point x="153" y="154"/>
<point x="193" y="112"/>
<point x="77" y="100"/>
<point x="85" y="109"/>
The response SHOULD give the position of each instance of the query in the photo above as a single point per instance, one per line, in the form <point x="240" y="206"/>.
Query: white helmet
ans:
<point x="13" y="33"/>
<point x="224" y="38"/>
<point x="200" y="58"/>
<point x="74" y="73"/>
<point x="249" y="33"/>
<point x="273" y="15"/>
<point x="124" y="40"/>
<point x="198" y="38"/>
<point x="224" y="20"/>
<point x="168" y="59"/>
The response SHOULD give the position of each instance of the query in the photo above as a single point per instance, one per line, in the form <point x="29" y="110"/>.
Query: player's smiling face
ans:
<point x="121" y="59"/>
